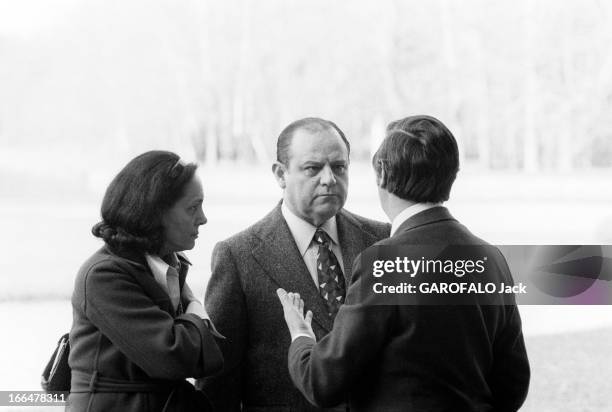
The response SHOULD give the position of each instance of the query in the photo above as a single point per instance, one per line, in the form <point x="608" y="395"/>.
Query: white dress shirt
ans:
<point x="408" y="213"/>
<point x="303" y="232"/>
<point x="159" y="268"/>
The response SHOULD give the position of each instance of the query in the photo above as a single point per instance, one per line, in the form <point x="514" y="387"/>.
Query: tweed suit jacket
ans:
<point x="418" y="358"/>
<point x="242" y="302"/>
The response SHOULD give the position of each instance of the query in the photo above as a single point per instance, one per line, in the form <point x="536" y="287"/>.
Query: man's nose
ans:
<point x="327" y="176"/>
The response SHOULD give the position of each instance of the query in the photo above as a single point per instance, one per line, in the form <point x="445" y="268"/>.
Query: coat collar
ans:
<point x="135" y="264"/>
<point x="281" y="260"/>
<point x="426" y="217"/>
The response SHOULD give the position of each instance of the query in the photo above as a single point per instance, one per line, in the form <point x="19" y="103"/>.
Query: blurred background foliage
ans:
<point x="525" y="85"/>
<point x="85" y="85"/>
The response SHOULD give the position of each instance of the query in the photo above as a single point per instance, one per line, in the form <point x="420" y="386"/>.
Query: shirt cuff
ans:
<point x="196" y="308"/>
<point x="301" y="334"/>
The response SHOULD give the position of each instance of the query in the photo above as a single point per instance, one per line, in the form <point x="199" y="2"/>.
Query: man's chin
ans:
<point x="189" y="245"/>
<point x="323" y="214"/>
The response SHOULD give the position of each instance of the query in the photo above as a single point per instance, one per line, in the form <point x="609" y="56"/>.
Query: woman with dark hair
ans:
<point x="137" y="330"/>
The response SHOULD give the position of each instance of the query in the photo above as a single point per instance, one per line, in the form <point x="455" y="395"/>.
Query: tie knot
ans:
<point x="321" y="237"/>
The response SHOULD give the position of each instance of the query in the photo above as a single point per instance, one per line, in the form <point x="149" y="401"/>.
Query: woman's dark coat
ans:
<point x="129" y="349"/>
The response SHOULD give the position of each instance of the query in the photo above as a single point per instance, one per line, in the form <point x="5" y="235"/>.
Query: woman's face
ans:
<point x="182" y="221"/>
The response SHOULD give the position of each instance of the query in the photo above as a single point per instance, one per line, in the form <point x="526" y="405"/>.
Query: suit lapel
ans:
<point x="280" y="258"/>
<point x="353" y="240"/>
<point x="184" y="268"/>
<point x="141" y="272"/>
<point x="154" y="290"/>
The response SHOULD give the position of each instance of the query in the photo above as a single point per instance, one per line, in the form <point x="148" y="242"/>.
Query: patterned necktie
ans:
<point x="331" y="280"/>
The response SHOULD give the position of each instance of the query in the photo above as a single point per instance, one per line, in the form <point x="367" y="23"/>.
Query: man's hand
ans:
<point x="293" y="307"/>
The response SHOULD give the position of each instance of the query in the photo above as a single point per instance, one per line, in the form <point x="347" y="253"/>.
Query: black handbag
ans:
<point x="56" y="376"/>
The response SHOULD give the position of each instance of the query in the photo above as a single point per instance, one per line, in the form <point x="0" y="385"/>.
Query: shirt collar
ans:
<point x="303" y="232"/>
<point x="182" y="258"/>
<point x="408" y="213"/>
<point x="159" y="267"/>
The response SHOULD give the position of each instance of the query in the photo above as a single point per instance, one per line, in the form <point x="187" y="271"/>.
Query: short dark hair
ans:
<point x="418" y="159"/>
<point x="137" y="198"/>
<point x="312" y="124"/>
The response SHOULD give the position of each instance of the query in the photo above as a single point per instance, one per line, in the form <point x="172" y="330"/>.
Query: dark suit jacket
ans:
<point x="418" y="358"/>
<point x="124" y="327"/>
<point x="242" y="302"/>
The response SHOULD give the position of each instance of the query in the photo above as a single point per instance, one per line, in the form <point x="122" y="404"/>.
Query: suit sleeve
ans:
<point x="226" y="306"/>
<point x="324" y="371"/>
<point x="510" y="373"/>
<point x="163" y="346"/>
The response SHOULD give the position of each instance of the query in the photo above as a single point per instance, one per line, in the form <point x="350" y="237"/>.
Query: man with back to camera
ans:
<point x="409" y="357"/>
<point x="307" y="244"/>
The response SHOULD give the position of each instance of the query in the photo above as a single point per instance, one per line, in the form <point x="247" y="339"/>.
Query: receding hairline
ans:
<point x="311" y="126"/>
<point x="315" y="131"/>
<point x="314" y="125"/>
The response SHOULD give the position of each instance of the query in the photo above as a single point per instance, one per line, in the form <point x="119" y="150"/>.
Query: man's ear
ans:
<point x="380" y="178"/>
<point x="380" y="174"/>
<point x="279" y="171"/>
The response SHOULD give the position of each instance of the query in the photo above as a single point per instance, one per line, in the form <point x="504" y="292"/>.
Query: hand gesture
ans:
<point x="293" y="308"/>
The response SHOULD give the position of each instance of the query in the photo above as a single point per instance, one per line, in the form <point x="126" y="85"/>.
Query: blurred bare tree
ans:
<point x="524" y="86"/>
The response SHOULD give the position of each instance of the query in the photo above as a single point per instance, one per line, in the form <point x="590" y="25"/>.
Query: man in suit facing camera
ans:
<point x="307" y="243"/>
<point x="414" y="357"/>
